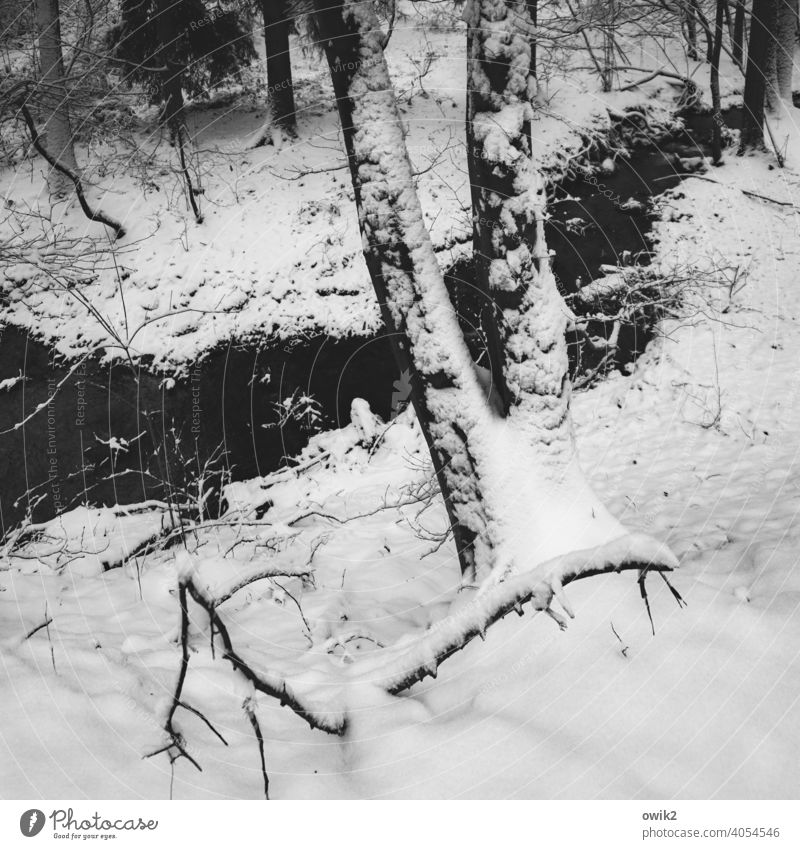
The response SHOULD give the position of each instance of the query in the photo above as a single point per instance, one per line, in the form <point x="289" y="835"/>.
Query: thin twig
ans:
<point x="44" y="624"/>
<point x="196" y="712"/>
<point x="251" y="713"/>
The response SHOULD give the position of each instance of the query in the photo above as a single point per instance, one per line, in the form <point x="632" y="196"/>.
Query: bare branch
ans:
<point x="101" y="217"/>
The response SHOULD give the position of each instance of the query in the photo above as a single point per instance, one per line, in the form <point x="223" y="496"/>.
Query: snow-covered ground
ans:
<point x="698" y="446"/>
<point x="278" y="254"/>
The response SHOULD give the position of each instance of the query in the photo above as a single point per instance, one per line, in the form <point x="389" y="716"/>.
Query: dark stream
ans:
<point x="225" y="417"/>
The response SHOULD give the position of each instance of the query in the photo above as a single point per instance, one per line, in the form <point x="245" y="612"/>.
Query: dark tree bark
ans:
<point x="762" y="26"/>
<point x="52" y="100"/>
<point x="279" y="64"/>
<point x="510" y="478"/>
<point x="716" y="132"/>
<point x="167" y="34"/>
<point x="168" y="31"/>
<point x="690" y="21"/>
<point x="533" y="12"/>
<point x="738" y="32"/>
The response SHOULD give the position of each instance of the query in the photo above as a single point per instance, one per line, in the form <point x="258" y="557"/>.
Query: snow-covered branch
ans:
<point x="540" y="586"/>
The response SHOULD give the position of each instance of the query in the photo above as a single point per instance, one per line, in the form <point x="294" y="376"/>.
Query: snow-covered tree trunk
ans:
<point x="551" y="495"/>
<point x="52" y="98"/>
<point x="509" y="473"/>
<point x="416" y="309"/>
<point x="784" y="45"/>
<point x="691" y="28"/>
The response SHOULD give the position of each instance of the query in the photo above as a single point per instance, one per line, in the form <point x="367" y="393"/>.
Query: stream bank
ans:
<point x="114" y="436"/>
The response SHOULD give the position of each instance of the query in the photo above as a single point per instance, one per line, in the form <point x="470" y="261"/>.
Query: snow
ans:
<point x="10" y="382"/>
<point x="698" y="448"/>
<point x="87" y="541"/>
<point x="179" y="290"/>
<point x="706" y="708"/>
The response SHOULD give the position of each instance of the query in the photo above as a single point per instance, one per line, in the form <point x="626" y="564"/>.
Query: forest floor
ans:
<point x="698" y="446"/>
<point x="278" y="254"/>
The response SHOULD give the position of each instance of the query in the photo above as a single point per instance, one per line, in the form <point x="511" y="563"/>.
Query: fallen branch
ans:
<point x="539" y="586"/>
<point x="395" y="670"/>
<point x="270" y="683"/>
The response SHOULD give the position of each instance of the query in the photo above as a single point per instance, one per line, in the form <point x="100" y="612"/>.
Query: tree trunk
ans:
<point x="415" y="306"/>
<point x="172" y="75"/>
<point x="771" y="87"/>
<point x="279" y="65"/>
<point x="52" y="100"/>
<point x="168" y="30"/>
<point x="716" y="132"/>
<point x="533" y="12"/>
<point x="785" y="36"/>
<point x="610" y="23"/>
<point x="762" y="27"/>
<point x="509" y="478"/>
<point x="690" y="22"/>
<point x="481" y="180"/>
<point x="514" y="268"/>
<point x="728" y="19"/>
<point x="738" y="32"/>
<point x="700" y="16"/>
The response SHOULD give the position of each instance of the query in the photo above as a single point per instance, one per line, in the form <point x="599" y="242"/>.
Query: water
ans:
<point x="224" y="419"/>
<point x="224" y="415"/>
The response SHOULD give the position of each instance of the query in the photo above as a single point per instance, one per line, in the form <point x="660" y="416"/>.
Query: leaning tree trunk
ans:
<point x="52" y="99"/>
<point x="415" y="306"/>
<point x="762" y="27"/>
<point x="279" y="65"/>
<point x="509" y="477"/>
